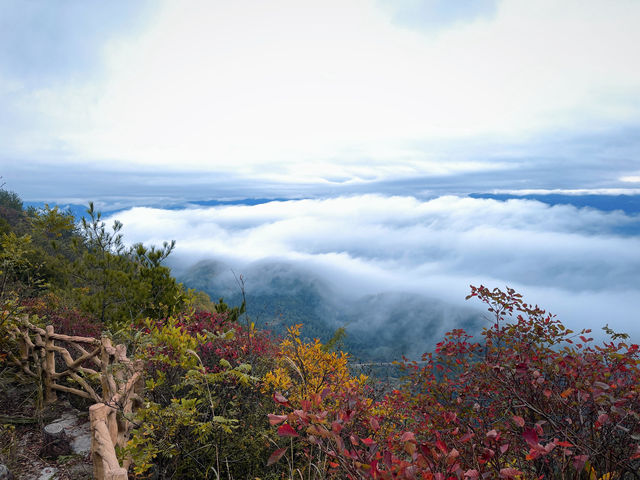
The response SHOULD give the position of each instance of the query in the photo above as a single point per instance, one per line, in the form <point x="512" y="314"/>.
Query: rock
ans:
<point x="78" y="431"/>
<point x="80" y="471"/>
<point x="81" y="438"/>
<point x="56" y="442"/>
<point x="5" y="474"/>
<point x="49" y="473"/>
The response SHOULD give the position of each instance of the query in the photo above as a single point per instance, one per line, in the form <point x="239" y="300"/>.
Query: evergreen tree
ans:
<point x="120" y="285"/>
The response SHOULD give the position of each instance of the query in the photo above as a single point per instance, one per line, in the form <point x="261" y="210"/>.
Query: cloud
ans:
<point x="43" y="43"/>
<point x="281" y="90"/>
<point x="572" y="191"/>
<point x="560" y="164"/>
<point x="322" y="93"/>
<point x="564" y="258"/>
<point x="52" y="70"/>
<point x="435" y="15"/>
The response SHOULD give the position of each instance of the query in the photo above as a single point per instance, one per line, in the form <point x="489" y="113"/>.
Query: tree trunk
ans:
<point x="56" y="442"/>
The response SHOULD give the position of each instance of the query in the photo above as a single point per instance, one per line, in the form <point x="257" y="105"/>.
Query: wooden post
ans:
<point x="122" y="387"/>
<point x="120" y="374"/>
<point x="56" y="442"/>
<point x="49" y="366"/>
<point x="103" y="453"/>
<point x="109" y="388"/>
<point x="24" y="351"/>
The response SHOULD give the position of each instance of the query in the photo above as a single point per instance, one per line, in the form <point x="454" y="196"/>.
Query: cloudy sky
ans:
<point x="370" y="121"/>
<point x="284" y="97"/>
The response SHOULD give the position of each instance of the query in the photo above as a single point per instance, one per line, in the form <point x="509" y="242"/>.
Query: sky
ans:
<point x="295" y="98"/>
<point x="368" y="121"/>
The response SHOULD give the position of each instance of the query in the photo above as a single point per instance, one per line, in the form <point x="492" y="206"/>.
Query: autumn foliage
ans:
<point x="306" y="368"/>
<point x="530" y="400"/>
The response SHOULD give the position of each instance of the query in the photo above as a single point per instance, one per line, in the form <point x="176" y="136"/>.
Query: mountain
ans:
<point x="379" y="327"/>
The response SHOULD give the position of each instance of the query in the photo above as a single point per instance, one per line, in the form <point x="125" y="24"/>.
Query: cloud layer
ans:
<point x="324" y="93"/>
<point x="567" y="259"/>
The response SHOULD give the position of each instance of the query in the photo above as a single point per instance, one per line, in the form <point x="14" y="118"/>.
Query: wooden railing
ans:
<point x="117" y="384"/>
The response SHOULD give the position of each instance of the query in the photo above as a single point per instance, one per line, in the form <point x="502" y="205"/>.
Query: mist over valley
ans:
<point x="394" y="270"/>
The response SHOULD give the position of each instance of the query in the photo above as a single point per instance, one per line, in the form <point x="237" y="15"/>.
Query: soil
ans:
<point x="21" y="436"/>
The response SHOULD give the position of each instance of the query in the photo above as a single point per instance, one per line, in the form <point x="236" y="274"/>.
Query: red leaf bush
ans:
<point x="531" y="400"/>
<point x="65" y="319"/>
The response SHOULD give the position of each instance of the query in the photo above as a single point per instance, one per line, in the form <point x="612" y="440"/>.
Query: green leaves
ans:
<point x="119" y="284"/>
<point x="196" y="409"/>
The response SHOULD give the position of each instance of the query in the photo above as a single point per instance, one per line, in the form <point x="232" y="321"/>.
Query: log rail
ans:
<point x="115" y="385"/>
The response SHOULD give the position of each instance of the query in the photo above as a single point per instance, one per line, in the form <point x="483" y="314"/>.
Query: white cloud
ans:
<point x="313" y="91"/>
<point x="569" y="260"/>
<point x="575" y="191"/>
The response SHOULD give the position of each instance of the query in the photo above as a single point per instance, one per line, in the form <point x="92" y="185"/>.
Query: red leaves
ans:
<point x="603" y="419"/>
<point x="408" y="437"/>
<point x="531" y="437"/>
<point x="275" y="456"/>
<point x="450" y="417"/>
<point x="287" y="430"/>
<point x="276" y="419"/>
<point x="336" y="427"/>
<point x="579" y="461"/>
<point x="442" y="447"/>
<point x="467" y="436"/>
<point x="509" y="472"/>
<point x="485" y="408"/>
<point x="280" y="399"/>
<point x="375" y="426"/>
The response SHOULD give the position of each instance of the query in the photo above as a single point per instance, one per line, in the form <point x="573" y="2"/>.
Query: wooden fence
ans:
<point x="115" y="384"/>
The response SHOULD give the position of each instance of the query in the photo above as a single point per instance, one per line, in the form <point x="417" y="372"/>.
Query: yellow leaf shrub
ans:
<point x="306" y="368"/>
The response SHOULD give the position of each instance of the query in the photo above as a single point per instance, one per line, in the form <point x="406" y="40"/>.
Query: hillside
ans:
<point x="194" y="389"/>
<point x="379" y="327"/>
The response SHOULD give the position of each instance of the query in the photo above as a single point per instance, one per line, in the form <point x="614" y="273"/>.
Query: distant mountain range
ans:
<point x="629" y="204"/>
<point x="79" y="210"/>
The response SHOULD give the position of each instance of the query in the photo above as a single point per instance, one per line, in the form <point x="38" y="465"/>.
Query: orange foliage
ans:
<point x="306" y="368"/>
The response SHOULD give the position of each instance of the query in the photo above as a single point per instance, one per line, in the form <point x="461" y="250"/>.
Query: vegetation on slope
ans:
<point x="224" y="399"/>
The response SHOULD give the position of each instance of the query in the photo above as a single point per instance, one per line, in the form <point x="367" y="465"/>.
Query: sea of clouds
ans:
<point x="577" y="262"/>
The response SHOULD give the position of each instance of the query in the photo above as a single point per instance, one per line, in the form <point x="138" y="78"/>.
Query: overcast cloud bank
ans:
<point x="317" y="97"/>
<point x="569" y="260"/>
